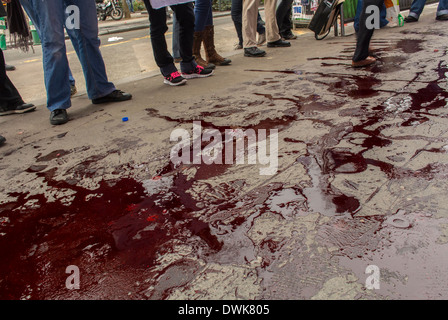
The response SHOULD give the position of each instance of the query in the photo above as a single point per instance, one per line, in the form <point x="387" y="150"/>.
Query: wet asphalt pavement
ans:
<point x="361" y="181"/>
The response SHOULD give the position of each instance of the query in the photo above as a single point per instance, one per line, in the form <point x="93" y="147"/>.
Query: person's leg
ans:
<point x="36" y="22"/>
<point x="416" y="8"/>
<point x="212" y="56"/>
<point x="250" y="12"/>
<point x="157" y="28"/>
<point x="130" y="5"/>
<point x="190" y="69"/>
<point x="383" y="14"/>
<point x="87" y="46"/>
<point x="260" y="25"/>
<point x="358" y="15"/>
<point x="50" y="17"/>
<point x="176" y="47"/>
<point x="10" y="99"/>
<point x="236" y="12"/>
<point x="442" y="9"/>
<point x="272" y="33"/>
<point x="202" y="14"/>
<point x="282" y="16"/>
<point x="8" y="92"/>
<point x="361" y="55"/>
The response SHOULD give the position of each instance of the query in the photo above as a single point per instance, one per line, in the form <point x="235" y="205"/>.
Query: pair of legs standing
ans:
<point x="164" y="60"/>
<point x="250" y="12"/>
<point x="237" y="18"/>
<point x="204" y="33"/>
<point x="417" y="7"/>
<point x="51" y="16"/>
<point x="284" y="11"/>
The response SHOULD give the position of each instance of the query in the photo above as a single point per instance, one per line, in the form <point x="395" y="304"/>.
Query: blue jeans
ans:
<point x="35" y="21"/>
<point x="383" y="20"/>
<point x="130" y="5"/>
<point x="203" y="14"/>
<point x="50" y="16"/>
<point x="418" y="5"/>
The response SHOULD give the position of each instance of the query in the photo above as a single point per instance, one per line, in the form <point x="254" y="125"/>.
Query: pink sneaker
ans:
<point x="174" y="79"/>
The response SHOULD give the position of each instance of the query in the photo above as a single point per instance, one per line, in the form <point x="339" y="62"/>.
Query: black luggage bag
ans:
<point x="324" y="18"/>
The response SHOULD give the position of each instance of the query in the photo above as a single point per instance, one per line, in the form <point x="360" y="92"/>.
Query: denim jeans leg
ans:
<point x="442" y="8"/>
<point x="203" y="14"/>
<point x="36" y="22"/>
<point x="176" y="49"/>
<point x="130" y="5"/>
<point x="417" y="8"/>
<point x="87" y="46"/>
<point x="50" y="16"/>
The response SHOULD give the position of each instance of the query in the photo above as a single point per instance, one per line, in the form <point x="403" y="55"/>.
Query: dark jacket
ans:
<point x="2" y="10"/>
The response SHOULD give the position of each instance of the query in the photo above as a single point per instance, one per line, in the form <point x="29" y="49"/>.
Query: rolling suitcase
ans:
<point x="324" y="18"/>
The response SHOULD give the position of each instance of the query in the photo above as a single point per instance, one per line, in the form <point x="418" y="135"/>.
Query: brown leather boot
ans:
<point x="197" y="41"/>
<point x="209" y="45"/>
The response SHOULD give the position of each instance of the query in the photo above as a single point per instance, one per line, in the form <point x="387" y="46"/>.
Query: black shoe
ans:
<point x="2" y="140"/>
<point x="410" y="19"/>
<point x="254" y="52"/>
<point x="279" y="43"/>
<point x="58" y="116"/>
<point x="290" y="36"/>
<point x="9" y="67"/>
<point x="442" y="17"/>
<point x="21" y="108"/>
<point x="115" y="96"/>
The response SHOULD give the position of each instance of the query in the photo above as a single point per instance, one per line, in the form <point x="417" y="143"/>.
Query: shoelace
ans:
<point x="174" y="75"/>
<point x="199" y="69"/>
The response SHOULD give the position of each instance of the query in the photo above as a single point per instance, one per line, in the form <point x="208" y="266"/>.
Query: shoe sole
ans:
<point x="110" y="100"/>
<point x="254" y="55"/>
<point x="6" y="113"/>
<point x="58" y="123"/>
<point x="195" y="75"/>
<point x="277" y="46"/>
<point x="364" y="65"/>
<point x="175" y="84"/>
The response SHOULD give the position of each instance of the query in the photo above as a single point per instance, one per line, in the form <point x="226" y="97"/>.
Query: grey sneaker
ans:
<point x="254" y="52"/>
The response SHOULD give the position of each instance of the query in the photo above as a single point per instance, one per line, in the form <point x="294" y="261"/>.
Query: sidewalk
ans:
<point x="361" y="181"/>
<point x="138" y="21"/>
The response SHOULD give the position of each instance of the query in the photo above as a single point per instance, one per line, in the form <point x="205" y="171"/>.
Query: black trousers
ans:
<point x="9" y="96"/>
<point x="364" y="35"/>
<point x="283" y="15"/>
<point x="158" y="28"/>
